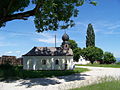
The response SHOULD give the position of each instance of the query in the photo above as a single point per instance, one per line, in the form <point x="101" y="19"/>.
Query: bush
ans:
<point x="17" y="72"/>
<point x="92" y="54"/>
<point x="118" y="63"/>
<point x="8" y="71"/>
<point x="108" y="58"/>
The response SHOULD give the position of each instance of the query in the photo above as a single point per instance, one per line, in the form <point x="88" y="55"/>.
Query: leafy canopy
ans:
<point x="48" y="14"/>
<point x="73" y="44"/>
<point x="77" y="54"/>
<point x="76" y="50"/>
<point x="92" y="53"/>
<point x="108" y="58"/>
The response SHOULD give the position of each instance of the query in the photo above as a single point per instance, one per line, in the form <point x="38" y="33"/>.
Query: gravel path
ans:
<point x="63" y="82"/>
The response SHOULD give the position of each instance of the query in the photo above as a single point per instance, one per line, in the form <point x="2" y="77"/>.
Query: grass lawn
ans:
<point x="105" y="85"/>
<point x="16" y="72"/>
<point x="102" y="65"/>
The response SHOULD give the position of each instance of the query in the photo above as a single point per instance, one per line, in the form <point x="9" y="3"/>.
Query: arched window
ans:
<point x="43" y="62"/>
<point x="56" y="62"/>
<point x="29" y="64"/>
<point x="66" y="46"/>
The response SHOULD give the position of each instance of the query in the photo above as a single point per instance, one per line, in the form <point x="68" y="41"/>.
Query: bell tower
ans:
<point x="65" y="43"/>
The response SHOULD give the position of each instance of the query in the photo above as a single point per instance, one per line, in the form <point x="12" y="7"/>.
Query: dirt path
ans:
<point x="63" y="82"/>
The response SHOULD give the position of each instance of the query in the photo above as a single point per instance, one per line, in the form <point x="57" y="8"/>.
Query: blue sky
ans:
<point x="19" y="36"/>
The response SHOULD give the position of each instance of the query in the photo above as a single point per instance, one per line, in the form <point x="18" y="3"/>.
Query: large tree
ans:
<point x="90" y="38"/>
<point x="92" y="54"/>
<point x="48" y="14"/>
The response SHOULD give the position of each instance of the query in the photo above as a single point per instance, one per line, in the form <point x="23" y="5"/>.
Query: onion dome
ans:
<point x="65" y="37"/>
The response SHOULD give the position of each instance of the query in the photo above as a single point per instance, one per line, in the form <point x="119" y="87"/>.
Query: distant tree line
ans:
<point x="91" y="52"/>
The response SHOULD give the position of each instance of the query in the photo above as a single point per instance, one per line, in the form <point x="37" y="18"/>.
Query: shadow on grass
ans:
<point x="51" y="81"/>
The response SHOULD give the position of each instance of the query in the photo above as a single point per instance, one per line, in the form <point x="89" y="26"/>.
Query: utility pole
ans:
<point x="55" y="40"/>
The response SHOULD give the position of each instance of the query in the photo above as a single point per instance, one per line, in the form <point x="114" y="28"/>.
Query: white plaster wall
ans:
<point x="82" y="61"/>
<point x="35" y="62"/>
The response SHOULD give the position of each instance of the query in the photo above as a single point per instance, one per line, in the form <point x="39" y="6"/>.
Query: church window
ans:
<point x="66" y="45"/>
<point x="56" y="62"/>
<point x="29" y="64"/>
<point x="43" y="62"/>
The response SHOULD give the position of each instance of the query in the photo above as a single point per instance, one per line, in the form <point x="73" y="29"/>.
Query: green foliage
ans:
<point x="93" y="2"/>
<point x="49" y="14"/>
<point x="90" y="38"/>
<point x="77" y="53"/>
<point x="118" y="63"/>
<point x="17" y="72"/>
<point x="108" y="58"/>
<point x="103" y="65"/>
<point x="76" y="50"/>
<point x="9" y="7"/>
<point x="7" y="70"/>
<point x="92" y="54"/>
<point x="73" y="44"/>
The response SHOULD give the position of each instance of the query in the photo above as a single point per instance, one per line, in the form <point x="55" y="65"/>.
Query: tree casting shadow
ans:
<point x="50" y="81"/>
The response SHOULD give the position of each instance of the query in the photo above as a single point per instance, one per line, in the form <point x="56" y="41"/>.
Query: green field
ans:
<point x="102" y="65"/>
<point x="16" y="72"/>
<point x="111" y="84"/>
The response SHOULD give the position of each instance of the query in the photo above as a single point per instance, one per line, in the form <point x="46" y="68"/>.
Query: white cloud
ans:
<point x="100" y="26"/>
<point x="47" y="35"/>
<point x="13" y="53"/>
<point x="48" y="38"/>
<point x="81" y="23"/>
<point x="17" y="51"/>
<point x="107" y="27"/>
<point x="9" y="52"/>
<point x="6" y="44"/>
<point x="114" y="26"/>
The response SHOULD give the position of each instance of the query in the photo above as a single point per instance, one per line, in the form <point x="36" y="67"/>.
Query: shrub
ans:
<point x="17" y="72"/>
<point x="118" y="63"/>
<point x="108" y="58"/>
<point x="92" y="54"/>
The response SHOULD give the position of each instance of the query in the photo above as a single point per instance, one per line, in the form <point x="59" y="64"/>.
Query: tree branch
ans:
<point x="23" y="15"/>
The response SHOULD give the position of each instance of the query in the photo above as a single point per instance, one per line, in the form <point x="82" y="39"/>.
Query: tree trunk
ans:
<point x="92" y="62"/>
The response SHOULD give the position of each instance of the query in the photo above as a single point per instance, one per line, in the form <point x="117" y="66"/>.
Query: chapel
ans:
<point x="50" y="58"/>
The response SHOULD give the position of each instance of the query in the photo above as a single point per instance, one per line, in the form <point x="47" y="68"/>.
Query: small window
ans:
<point x="66" y="45"/>
<point x="43" y="62"/>
<point x="56" y="62"/>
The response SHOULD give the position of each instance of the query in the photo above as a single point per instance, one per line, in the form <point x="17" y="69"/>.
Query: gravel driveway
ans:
<point x="63" y="82"/>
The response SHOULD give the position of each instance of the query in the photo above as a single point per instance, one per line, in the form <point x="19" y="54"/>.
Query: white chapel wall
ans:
<point x="35" y="62"/>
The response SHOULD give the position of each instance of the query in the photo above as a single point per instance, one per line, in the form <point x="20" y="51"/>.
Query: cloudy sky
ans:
<point x="18" y="37"/>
